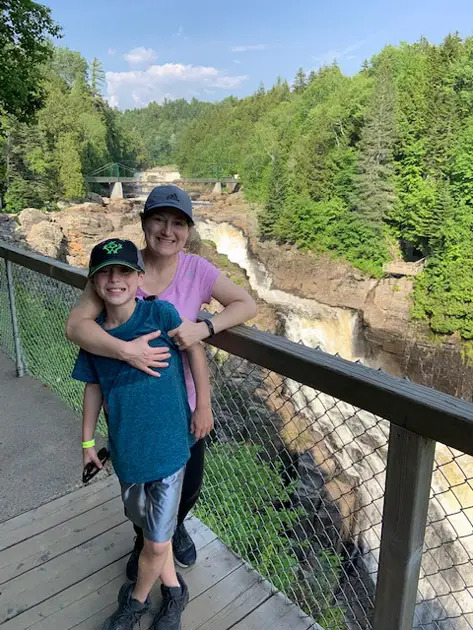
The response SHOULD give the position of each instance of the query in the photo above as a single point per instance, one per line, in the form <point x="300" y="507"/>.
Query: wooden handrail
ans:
<point x="419" y="409"/>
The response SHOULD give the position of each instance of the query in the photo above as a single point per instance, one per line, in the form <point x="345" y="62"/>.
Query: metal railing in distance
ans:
<point x="351" y="491"/>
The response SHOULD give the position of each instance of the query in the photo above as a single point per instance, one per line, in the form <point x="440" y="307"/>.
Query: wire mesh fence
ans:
<point x="294" y="477"/>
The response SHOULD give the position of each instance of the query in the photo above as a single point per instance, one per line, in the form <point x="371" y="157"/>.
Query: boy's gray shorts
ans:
<point x="153" y="505"/>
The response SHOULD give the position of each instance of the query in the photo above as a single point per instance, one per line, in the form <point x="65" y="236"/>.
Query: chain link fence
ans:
<point x="294" y="477"/>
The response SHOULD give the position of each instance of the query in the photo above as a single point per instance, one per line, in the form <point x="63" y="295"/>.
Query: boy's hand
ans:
<point x="90" y="455"/>
<point x="202" y="422"/>
<point x="139" y="354"/>
<point x="188" y="333"/>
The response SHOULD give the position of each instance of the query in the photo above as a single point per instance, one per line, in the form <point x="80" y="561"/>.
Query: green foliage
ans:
<point x="74" y="132"/>
<point x="244" y="501"/>
<point x="354" y="167"/>
<point x="350" y="165"/>
<point x="25" y="27"/>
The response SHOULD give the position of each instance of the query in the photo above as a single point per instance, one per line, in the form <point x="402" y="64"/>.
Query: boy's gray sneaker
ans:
<point x="129" y="610"/>
<point x="175" y="599"/>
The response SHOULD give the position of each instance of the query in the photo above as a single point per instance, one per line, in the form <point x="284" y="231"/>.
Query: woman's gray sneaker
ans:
<point x="129" y="610"/>
<point x="132" y="565"/>
<point x="183" y="547"/>
<point x="175" y="599"/>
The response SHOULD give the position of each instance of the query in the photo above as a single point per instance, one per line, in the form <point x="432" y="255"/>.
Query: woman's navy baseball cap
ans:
<point x="168" y="196"/>
<point x="115" y="251"/>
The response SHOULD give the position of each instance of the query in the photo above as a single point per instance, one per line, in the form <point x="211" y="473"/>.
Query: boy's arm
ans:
<point x="202" y="419"/>
<point x="92" y="404"/>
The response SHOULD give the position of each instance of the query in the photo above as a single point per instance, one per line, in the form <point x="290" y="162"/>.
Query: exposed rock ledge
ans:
<point x="388" y="338"/>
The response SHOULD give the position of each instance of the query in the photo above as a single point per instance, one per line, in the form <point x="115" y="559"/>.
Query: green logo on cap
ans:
<point x="113" y="247"/>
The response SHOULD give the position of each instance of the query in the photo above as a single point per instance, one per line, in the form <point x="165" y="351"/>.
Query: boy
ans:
<point x="148" y="422"/>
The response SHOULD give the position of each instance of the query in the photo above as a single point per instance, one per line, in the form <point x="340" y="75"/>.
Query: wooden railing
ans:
<point x="419" y="417"/>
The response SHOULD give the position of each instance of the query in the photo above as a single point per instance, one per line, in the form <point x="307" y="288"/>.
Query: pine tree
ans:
<point x="373" y="196"/>
<point x="274" y="206"/>
<point x="300" y="81"/>
<point x="97" y="76"/>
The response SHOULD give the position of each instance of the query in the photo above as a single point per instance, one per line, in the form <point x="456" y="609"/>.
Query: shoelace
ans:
<point x="169" y="603"/>
<point x="134" y="615"/>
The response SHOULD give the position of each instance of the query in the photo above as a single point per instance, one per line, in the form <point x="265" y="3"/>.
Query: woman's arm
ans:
<point x="239" y="307"/>
<point x="202" y="419"/>
<point x="83" y="330"/>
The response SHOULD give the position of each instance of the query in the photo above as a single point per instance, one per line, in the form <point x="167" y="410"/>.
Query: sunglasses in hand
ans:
<point x="90" y="469"/>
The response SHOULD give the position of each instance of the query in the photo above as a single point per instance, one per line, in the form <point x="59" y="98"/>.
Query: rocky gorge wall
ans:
<point x="341" y="460"/>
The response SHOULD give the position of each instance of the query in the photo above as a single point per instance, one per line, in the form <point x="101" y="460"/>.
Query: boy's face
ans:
<point x="117" y="284"/>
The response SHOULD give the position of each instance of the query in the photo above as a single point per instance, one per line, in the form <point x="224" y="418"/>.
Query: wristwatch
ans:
<point x="210" y="326"/>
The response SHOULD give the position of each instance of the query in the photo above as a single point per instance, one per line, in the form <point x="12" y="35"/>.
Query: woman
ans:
<point x="187" y="282"/>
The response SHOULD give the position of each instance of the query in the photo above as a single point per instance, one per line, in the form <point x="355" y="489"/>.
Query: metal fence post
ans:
<point x="406" y="501"/>
<point x="20" y="366"/>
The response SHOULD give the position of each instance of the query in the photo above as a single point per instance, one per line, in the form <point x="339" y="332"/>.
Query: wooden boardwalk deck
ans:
<point x="61" y="566"/>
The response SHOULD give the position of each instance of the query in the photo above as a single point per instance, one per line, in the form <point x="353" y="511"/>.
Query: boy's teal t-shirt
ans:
<point x="148" y="416"/>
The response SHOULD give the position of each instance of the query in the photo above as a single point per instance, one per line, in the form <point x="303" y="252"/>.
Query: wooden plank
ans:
<point x="91" y="595"/>
<point x="53" y="542"/>
<point x="54" y="576"/>
<point x="406" y="501"/>
<point x="200" y="533"/>
<point x="48" y="612"/>
<point x="227" y="602"/>
<point x="57" y="511"/>
<point x="276" y="613"/>
<point x="215" y="562"/>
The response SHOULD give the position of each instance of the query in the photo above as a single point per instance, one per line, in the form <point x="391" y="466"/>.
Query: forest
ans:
<point x="368" y="168"/>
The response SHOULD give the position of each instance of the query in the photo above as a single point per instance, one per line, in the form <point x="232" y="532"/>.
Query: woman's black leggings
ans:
<point x="191" y="486"/>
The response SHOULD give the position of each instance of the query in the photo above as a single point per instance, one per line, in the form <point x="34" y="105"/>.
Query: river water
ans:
<point x="357" y="441"/>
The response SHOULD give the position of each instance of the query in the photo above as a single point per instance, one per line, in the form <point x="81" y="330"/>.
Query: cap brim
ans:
<point x="168" y="204"/>
<point x="123" y="263"/>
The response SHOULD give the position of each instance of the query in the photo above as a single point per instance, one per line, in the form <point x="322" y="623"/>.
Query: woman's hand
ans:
<point x="188" y="333"/>
<point x="202" y="422"/>
<point x="139" y="354"/>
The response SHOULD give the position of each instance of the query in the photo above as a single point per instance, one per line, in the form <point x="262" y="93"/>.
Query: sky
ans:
<point x="157" y="49"/>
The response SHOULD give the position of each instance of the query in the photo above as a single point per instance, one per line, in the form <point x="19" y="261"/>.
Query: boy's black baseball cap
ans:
<point x="115" y="251"/>
<point x="168" y="196"/>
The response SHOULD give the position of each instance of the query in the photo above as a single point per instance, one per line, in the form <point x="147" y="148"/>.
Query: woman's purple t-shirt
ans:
<point x="191" y="287"/>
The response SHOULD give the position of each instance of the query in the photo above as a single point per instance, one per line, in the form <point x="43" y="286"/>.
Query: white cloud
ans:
<point x="111" y="51"/>
<point x="139" y="56"/>
<point x="238" y="49"/>
<point x="137" y="88"/>
<point x="328" y="57"/>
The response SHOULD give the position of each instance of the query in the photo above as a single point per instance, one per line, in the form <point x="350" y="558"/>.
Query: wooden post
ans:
<point x="406" y="501"/>
<point x="20" y="364"/>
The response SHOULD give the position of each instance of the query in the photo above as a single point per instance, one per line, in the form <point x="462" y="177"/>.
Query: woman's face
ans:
<point x="166" y="232"/>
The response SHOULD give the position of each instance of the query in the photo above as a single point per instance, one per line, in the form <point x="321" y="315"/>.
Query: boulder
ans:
<point x="120" y="205"/>
<point x="46" y="238"/>
<point x="87" y="207"/>
<point x="82" y="231"/>
<point x="95" y="198"/>
<point x="133" y="232"/>
<point x="29" y="217"/>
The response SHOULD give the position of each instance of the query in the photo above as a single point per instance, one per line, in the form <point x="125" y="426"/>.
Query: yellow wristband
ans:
<point x="88" y="444"/>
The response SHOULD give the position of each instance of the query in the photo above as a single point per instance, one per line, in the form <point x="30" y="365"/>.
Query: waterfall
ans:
<point x="358" y="442"/>
<point x="315" y="324"/>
